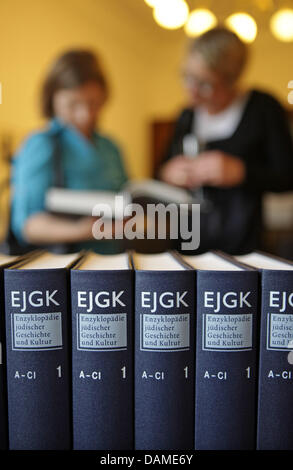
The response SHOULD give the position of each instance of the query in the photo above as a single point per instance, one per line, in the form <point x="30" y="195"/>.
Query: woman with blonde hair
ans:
<point x="242" y="144"/>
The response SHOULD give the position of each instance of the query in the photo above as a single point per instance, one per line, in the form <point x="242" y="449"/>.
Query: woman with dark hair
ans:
<point x="73" y="94"/>
<point x="242" y="144"/>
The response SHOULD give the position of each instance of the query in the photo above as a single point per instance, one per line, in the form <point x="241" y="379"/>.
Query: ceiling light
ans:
<point x="282" y="24"/>
<point x="171" y="14"/>
<point x="243" y="25"/>
<point x="199" y="21"/>
<point x="151" y="3"/>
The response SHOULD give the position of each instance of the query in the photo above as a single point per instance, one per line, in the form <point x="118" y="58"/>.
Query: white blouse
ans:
<point x="208" y="127"/>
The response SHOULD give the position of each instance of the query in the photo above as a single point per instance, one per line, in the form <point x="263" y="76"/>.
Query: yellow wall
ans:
<point x="142" y="61"/>
<point x="33" y="32"/>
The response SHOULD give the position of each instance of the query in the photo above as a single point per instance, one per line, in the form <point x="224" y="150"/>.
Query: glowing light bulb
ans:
<point x="199" y="21"/>
<point x="171" y="14"/>
<point x="282" y="24"/>
<point x="243" y="25"/>
<point x="151" y="3"/>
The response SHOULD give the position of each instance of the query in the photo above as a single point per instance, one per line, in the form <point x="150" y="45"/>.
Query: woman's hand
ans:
<point x="216" y="168"/>
<point x="42" y="228"/>
<point x="176" y="171"/>
<point x="83" y="228"/>
<point x="210" y="168"/>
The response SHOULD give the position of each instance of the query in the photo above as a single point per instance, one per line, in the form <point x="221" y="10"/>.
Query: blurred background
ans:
<point x="142" y="59"/>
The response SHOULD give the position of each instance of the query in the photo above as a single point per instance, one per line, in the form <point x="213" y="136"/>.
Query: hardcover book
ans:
<point x="275" y="388"/>
<point x="226" y="353"/>
<point x="81" y="202"/>
<point x="5" y="261"/>
<point x="102" y="352"/>
<point x="164" y="352"/>
<point x="37" y="340"/>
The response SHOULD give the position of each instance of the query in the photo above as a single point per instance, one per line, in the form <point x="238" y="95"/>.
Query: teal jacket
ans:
<point x="94" y="164"/>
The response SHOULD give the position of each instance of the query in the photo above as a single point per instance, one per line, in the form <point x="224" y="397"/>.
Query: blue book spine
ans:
<point x="226" y="360"/>
<point x="36" y="309"/>
<point x="3" y="385"/>
<point x="164" y="360"/>
<point x="275" y="403"/>
<point x="102" y="359"/>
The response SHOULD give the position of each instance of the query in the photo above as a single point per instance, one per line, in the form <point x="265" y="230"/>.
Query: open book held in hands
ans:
<point x="82" y="202"/>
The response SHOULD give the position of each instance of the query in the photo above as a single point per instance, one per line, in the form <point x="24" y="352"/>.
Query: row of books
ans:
<point x="137" y="351"/>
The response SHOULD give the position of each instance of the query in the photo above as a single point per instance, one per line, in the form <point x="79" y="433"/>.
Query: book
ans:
<point x="102" y="352"/>
<point x="164" y="352"/>
<point x="74" y="202"/>
<point x="275" y="388"/>
<point x="226" y="353"/>
<point x="157" y="191"/>
<point x="37" y="342"/>
<point x="5" y="261"/>
<point x="81" y="202"/>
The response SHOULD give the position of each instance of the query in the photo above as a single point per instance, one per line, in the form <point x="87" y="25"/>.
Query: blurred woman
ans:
<point x="73" y="95"/>
<point x="244" y="143"/>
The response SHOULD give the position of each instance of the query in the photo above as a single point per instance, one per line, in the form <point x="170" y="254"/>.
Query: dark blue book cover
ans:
<point x="275" y="411"/>
<point x="5" y="261"/>
<point x="164" y="353"/>
<point x="102" y="353"/>
<point x="226" y="355"/>
<point x="275" y="394"/>
<point x="38" y="367"/>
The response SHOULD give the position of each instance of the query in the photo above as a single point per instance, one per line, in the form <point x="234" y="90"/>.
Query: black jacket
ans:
<point x="263" y="141"/>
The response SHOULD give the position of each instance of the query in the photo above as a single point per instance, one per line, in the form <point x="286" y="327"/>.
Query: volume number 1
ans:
<point x="123" y="372"/>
